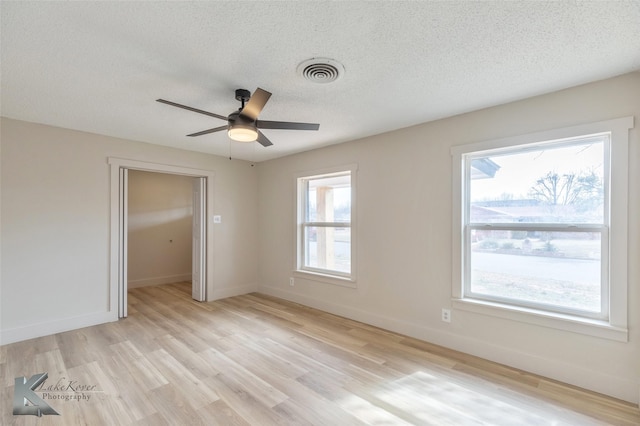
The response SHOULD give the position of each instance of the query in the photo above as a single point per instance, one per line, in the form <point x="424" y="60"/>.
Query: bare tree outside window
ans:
<point x="582" y="190"/>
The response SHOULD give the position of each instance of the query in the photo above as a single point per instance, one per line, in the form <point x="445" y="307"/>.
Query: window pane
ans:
<point x="329" y="199"/>
<point x="555" y="268"/>
<point x="328" y="248"/>
<point x="547" y="185"/>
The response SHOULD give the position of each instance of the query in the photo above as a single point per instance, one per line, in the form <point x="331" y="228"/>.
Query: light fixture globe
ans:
<point x="242" y="132"/>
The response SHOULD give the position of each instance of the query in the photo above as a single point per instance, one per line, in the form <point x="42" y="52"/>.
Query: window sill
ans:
<point x="325" y="278"/>
<point x="589" y="327"/>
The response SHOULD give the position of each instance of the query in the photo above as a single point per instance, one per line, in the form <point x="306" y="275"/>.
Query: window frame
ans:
<point x="330" y="276"/>
<point x="573" y="227"/>
<point x="612" y="324"/>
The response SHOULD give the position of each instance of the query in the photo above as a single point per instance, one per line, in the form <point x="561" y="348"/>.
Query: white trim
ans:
<point x="536" y="226"/>
<point x="590" y="327"/>
<point x="123" y="249"/>
<point x="353" y="167"/>
<point x="199" y="240"/>
<point x="118" y="163"/>
<point x="47" y="328"/>
<point x="159" y="167"/>
<point x="618" y="233"/>
<point x="616" y="327"/>
<point x="167" y="279"/>
<point x="619" y="124"/>
<point x="321" y="275"/>
<point x="114" y="240"/>
<point x="324" y="278"/>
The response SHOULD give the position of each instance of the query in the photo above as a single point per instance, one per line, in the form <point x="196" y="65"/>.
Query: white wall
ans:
<point x="56" y="225"/>
<point x="404" y="208"/>
<point x="160" y="234"/>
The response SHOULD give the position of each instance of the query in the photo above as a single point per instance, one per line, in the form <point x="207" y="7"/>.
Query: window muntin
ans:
<point x="535" y="226"/>
<point x="325" y="224"/>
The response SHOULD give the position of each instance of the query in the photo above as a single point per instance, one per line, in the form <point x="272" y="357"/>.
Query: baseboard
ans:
<point x="222" y="293"/>
<point x="168" y="279"/>
<point x="32" y="331"/>
<point x="616" y="387"/>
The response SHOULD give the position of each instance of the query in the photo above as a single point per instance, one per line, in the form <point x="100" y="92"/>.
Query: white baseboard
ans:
<point x="32" y="331"/>
<point x="221" y="293"/>
<point x="624" y="389"/>
<point x="168" y="279"/>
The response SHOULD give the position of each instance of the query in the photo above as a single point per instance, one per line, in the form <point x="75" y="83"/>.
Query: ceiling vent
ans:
<point x="321" y="70"/>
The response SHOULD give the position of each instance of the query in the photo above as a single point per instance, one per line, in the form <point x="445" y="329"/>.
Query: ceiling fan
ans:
<point x="243" y="125"/>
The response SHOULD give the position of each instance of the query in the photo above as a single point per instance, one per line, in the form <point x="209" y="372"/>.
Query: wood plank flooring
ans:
<point x="257" y="360"/>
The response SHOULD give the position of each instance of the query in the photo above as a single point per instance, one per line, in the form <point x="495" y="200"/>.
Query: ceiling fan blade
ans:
<point x="255" y="104"/>
<point x="211" y="114"/>
<point x="205" y="132"/>
<point x="286" y="125"/>
<point x="263" y="140"/>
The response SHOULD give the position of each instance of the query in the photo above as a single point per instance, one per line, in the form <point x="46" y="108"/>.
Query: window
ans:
<point x="540" y="230"/>
<point x="536" y="233"/>
<point x="325" y="231"/>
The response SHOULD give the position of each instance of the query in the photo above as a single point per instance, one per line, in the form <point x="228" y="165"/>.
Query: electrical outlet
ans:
<point x="291" y="282"/>
<point x="446" y="315"/>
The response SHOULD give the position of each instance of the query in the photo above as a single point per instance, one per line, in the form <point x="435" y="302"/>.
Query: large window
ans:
<point x="325" y="208"/>
<point x="536" y="232"/>
<point x="537" y="229"/>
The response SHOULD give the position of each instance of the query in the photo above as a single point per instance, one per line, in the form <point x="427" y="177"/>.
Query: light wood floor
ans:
<point x="257" y="360"/>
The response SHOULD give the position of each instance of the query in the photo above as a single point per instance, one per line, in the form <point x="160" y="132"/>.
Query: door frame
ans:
<point x="199" y="239"/>
<point x="117" y="267"/>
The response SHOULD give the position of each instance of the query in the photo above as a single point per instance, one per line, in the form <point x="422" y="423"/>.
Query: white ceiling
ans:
<point x="100" y="66"/>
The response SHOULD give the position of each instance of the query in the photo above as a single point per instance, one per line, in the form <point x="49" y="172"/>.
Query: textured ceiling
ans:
<point x="99" y="66"/>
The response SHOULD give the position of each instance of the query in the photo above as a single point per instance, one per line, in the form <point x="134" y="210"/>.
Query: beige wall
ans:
<point x="55" y="232"/>
<point x="56" y="225"/>
<point x="159" y="225"/>
<point x="404" y="250"/>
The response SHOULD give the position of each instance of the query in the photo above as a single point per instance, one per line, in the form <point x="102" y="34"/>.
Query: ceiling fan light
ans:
<point x="243" y="133"/>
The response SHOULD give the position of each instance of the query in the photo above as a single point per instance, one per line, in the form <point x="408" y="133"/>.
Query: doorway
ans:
<point x="201" y="235"/>
<point x="160" y="228"/>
